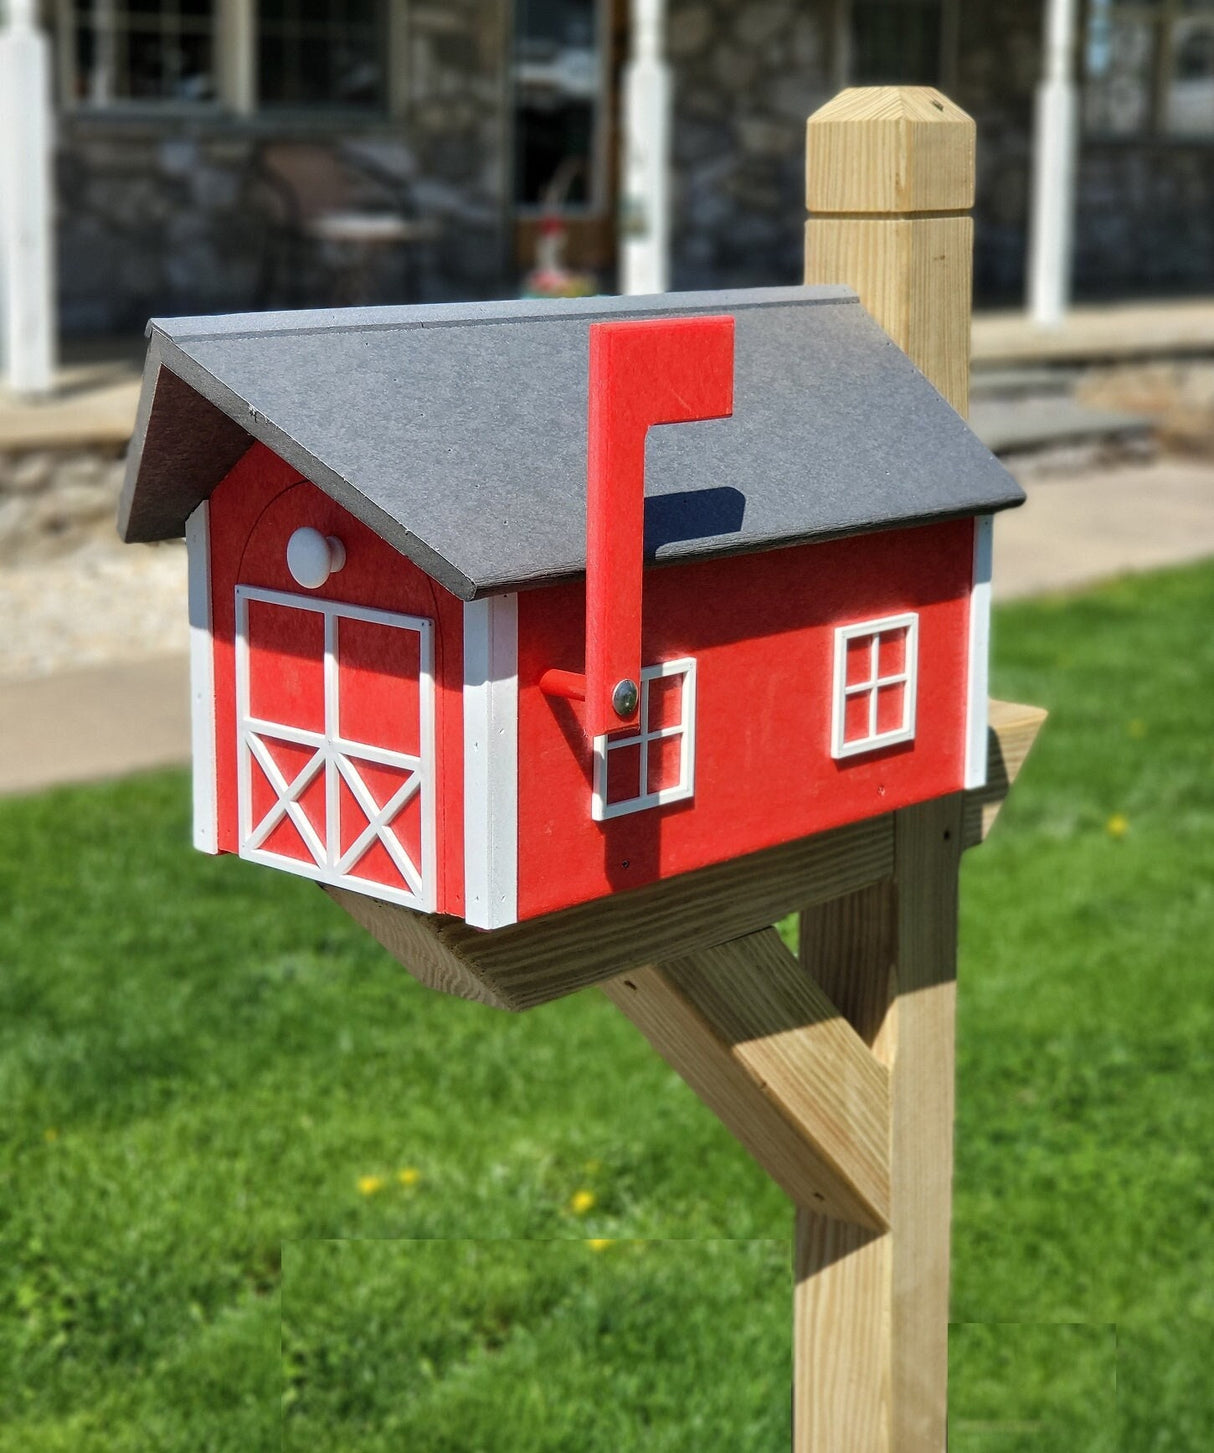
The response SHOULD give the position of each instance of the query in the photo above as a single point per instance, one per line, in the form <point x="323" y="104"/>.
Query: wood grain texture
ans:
<point x="841" y="1328"/>
<point x="928" y="849"/>
<point x="882" y="164"/>
<point x="886" y="182"/>
<point x="890" y="150"/>
<point x="842" y="1304"/>
<point x="849" y="946"/>
<point x="871" y="1313"/>
<point x="763" y="1047"/>
<point x="913" y="276"/>
<point x="530" y="963"/>
<point x="1013" y="730"/>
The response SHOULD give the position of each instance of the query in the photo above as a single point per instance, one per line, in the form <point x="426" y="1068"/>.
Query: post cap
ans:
<point x="898" y="150"/>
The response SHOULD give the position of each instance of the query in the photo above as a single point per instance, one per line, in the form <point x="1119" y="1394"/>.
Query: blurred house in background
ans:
<point x="233" y="154"/>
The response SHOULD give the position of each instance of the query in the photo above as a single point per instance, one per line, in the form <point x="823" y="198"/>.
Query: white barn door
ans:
<point x="335" y="722"/>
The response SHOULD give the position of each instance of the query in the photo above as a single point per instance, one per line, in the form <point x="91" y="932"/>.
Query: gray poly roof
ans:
<point x="458" y="432"/>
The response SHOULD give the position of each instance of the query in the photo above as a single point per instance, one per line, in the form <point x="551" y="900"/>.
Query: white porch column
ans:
<point x="645" y="210"/>
<point x="26" y="239"/>
<point x="1055" y="146"/>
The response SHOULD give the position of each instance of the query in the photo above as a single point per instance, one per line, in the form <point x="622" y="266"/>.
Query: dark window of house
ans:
<point x="896" y="42"/>
<point x="144" y="50"/>
<point x="1149" y="68"/>
<point x="321" y="53"/>
<point x="558" y="101"/>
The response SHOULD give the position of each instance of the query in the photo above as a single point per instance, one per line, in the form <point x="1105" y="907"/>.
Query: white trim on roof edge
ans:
<point x="491" y="761"/>
<point x="202" y="679"/>
<point x="978" y="689"/>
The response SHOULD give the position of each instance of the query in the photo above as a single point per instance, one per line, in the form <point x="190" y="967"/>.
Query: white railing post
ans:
<point x="645" y="209"/>
<point x="1055" y="143"/>
<point x="26" y="238"/>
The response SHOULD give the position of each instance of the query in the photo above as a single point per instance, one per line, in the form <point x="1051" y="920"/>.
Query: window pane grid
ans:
<point x="878" y="711"/>
<point x="645" y="741"/>
<point x="145" y="50"/>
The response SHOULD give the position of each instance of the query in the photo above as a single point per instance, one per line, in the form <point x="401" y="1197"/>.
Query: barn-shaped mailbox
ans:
<point x="500" y="608"/>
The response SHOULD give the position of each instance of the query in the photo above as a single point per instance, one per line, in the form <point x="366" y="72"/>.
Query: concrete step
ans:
<point x="1011" y="382"/>
<point x="1035" y="425"/>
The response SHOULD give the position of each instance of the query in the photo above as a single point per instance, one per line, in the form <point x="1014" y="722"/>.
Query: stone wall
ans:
<point x="746" y="77"/>
<point x="196" y="213"/>
<point x="52" y="501"/>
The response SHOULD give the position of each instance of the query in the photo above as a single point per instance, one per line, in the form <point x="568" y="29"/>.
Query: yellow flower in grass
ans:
<point x="600" y="1243"/>
<point x="581" y="1202"/>
<point x="369" y="1185"/>
<point x="409" y="1177"/>
<point x="50" y="1135"/>
<point x="1117" y="826"/>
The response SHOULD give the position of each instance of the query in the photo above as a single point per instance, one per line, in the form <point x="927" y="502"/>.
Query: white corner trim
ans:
<point x="491" y="761"/>
<point x="908" y="677"/>
<point x="202" y="679"/>
<point x="978" y="679"/>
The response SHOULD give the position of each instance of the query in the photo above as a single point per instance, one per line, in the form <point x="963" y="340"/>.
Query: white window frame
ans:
<point x="601" y="809"/>
<point x="235" y="42"/>
<point x="331" y="757"/>
<point x="908" y="677"/>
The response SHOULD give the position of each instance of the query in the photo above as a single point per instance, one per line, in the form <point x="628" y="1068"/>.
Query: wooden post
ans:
<point x="890" y="185"/>
<point x="890" y="180"/>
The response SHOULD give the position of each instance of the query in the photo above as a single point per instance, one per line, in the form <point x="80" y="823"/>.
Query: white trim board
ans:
<point x="202" y="680"/>
<point x="491" y="761"/>
<point x="978" y="676"/>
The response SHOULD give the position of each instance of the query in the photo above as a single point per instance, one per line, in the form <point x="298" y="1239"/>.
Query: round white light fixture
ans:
<point x="313" y="557"/>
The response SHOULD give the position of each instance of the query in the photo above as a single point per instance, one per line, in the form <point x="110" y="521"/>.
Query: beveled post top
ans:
<point x="890" y="150"/>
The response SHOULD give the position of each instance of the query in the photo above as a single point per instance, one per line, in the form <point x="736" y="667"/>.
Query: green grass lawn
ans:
<point x="228" y="1119"/>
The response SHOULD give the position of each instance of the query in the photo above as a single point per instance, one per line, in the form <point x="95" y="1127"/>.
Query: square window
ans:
<point x="875" y="708"/>
<point x="654" y="763"/>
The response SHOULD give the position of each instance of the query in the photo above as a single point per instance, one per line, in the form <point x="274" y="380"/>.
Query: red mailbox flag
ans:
<point x="660" y="371"/>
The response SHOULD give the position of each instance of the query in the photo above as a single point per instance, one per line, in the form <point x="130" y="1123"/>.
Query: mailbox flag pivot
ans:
<point x="659" y="371"/>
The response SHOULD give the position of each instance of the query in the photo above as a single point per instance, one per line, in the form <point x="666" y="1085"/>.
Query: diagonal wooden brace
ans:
<point x="764" y="1048"/>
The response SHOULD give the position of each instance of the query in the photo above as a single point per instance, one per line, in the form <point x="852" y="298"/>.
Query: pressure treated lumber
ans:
<point x="764" y="1048"/>
<point x="530" y="963"/>
<point x="1013" y="730"/>
<point x="890" y="149"/>
<point x="889" y="181"/>
<point x="871" y="1313"/>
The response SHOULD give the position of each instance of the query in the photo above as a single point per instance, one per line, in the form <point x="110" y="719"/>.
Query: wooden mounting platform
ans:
<point x="531" y="963"/>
